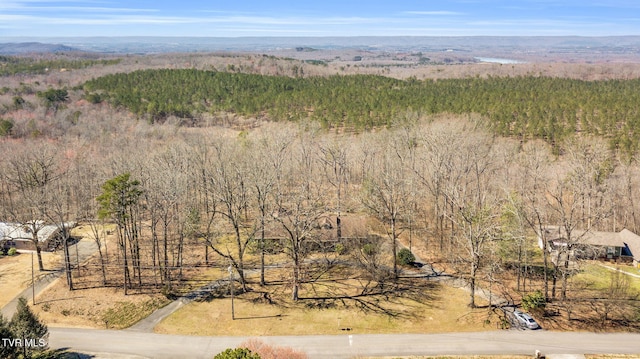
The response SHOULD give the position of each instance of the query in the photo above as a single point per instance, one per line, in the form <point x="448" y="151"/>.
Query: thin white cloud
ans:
<point x="434" y="13"/>
<point x="96" y="17"/>
<point x="108" y="20"/>
<point x="116" y="19"/>
<point x="5" y="18"/>
<point x="90" y="9"/>
<point x="31" y="4"/>
<point x="264" y="20"/>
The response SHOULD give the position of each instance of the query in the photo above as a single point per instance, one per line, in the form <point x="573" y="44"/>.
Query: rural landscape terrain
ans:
<point x="323" y="187"/>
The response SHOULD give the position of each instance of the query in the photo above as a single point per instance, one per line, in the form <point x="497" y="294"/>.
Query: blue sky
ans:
<point x="234" y="18"/>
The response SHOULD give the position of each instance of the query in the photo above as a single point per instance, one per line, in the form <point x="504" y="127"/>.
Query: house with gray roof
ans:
<point x="623" y="246"/>
<point x="20" y="236"/>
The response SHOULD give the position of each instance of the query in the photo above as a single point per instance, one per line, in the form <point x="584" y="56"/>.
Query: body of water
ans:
<point x="498" y="60"/>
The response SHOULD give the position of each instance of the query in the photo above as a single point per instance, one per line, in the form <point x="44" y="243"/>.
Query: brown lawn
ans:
<point x="94" y="308"/>
<point x="15" y="272"/>
<point x="447" y="312"/>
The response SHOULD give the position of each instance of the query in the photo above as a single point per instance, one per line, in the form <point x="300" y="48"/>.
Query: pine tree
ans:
<point x="27" y="327"/>
<point x="118" y="201"/>
<point x="6" y="350"/>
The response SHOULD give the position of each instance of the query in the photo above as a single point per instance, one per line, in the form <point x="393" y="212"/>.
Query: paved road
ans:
<point x="511" y="342"/>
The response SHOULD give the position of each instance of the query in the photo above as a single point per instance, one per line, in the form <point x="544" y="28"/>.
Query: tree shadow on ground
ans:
<point x="58" y="299"/>
<point x="376" y="292"/>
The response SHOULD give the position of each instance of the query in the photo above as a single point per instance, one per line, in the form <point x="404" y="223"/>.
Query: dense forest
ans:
<point x="524" y="107"/>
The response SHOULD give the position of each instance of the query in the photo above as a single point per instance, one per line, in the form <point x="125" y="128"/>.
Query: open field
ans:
<point x="446" y="313"/>
<point x="594" y="275"/>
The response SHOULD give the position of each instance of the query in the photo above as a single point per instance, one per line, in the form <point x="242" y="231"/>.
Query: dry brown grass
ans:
<point x="57" y="306"/>
<point x="447" y="313"/>
<point x="15" y="273"/>
<point x="94" y="307"/>
<point x="420" y="307"/>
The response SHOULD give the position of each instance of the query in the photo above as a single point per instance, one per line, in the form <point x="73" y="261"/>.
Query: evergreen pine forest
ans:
<point x="526" y="107"/>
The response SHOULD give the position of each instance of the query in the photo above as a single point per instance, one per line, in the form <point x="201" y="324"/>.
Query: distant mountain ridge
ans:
<point x="145" y="45"/>
<point x="20" y="48"/>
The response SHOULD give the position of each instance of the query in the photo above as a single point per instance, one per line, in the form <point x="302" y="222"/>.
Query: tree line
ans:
<point x="525" y="107"/>
<point x="15" y="65"/>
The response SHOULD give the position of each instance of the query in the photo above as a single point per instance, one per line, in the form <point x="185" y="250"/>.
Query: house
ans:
<point x="324" y="236"/>
<point x="623" y="246"/>
<point x="19" y="236"/>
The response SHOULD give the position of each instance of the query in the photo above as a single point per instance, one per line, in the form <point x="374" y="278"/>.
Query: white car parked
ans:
<point x="526" y="319"/>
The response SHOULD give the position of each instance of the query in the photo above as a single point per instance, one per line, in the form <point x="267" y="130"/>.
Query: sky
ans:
<point x="241" y="18"/>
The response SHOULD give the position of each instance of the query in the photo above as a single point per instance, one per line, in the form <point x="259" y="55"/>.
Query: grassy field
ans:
<point x="629" y="269"/>
<point x="596" y="276"/>
<point x="448" y="312"/>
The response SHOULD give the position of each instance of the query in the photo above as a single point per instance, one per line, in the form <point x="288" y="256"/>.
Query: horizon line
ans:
<point x="311" y="37"/>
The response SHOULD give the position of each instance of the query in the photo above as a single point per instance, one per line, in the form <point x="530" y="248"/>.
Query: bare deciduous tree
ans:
<point x="230" y="179"/>
<point x="335" y="166"/>
<point x="385" y="191"/>
<point x="299" y="206"/>
<point x="533" y="167"/>
<point x="268" y="152"/>
<point x="476" y="205"/>
<point x="576" y="201"/>
<point x="30" y="174"/>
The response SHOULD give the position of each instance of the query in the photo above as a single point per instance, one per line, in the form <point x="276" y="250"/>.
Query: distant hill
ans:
<point x="32" y="48"/>
<point x="471" y="45"/>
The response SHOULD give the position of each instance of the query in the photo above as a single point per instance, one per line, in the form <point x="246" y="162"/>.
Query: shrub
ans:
<point x="12" y="252"/>
<point x="266" y="351"/>
<point x="533" y="301"/>
<point x="405" y="257"/>
<point x="5" y="127"/>
<point x="238" y="353"/>
<point x="94" y="98"/>
<point x="369" y="249"/>
<point x="340" y="249"/>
